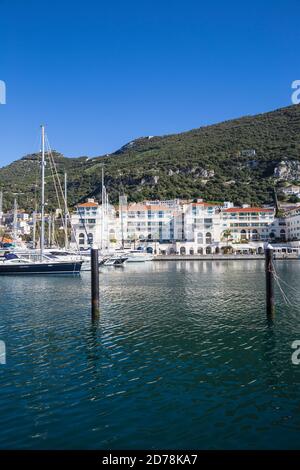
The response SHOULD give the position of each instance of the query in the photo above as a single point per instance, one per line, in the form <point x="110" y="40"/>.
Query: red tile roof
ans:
<point x="88" y="204"/>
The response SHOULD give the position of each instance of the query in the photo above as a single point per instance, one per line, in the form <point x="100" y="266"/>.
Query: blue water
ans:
<point x="182" y="357"/>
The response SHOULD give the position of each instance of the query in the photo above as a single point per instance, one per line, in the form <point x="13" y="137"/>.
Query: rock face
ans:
<point x="287" y="170"/>
<point x="195" y="172"/>
<point x="149" y="180"/>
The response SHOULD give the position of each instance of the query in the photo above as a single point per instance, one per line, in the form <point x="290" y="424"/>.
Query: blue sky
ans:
<point x="101" y="73"/>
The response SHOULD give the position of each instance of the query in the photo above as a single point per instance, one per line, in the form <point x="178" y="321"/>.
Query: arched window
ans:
<point x="81" y="239"/>
<point x="217" y="250"/>
<point x="191" y="251"/>
<point x="243" y="235"/>
<point x="200" y="251"/>
<point x="208" y="238"/>
<point x="90" y="238"/>
<point x="255" y="235"/>
<point x="182" y="250"/>
<point x="200" y="238"/>
<point x="208" y="250"/>
<point x="272" y="235"/>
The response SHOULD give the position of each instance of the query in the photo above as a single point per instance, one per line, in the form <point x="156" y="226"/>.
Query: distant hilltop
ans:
<point x="241" y="160"/>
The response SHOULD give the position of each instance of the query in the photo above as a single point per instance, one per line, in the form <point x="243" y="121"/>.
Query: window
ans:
<point x="255" y="236"/>
<point x="200" y="238"/>
<point x="81" y="239"/>
<point x="243" y="235"/>
<point x="208" y="238"/>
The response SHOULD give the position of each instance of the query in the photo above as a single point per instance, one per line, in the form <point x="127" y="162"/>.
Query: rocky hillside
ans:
<point x="239" y="160"/>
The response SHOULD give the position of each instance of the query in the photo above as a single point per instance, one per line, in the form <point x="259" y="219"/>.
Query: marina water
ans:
<point x="182" y="357"/>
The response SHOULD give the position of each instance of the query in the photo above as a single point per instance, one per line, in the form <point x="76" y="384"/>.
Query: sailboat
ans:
<point x="11" y="263"/>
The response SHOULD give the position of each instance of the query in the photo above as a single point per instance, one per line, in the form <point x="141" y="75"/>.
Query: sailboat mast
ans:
<point x="15" y="220"/>
<point x="49" y="231"/>
<point x="122" y="222"/>
<point x="33" y="229"/>
<point x="43" y="194"/>
<point x="1" y="206"/>
<point x="66" y="213"/>
<point x="102" y="209"/>
<point x="53" y="230"/>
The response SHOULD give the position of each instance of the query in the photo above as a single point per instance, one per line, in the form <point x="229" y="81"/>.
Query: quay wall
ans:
<point x="221" y="257"/>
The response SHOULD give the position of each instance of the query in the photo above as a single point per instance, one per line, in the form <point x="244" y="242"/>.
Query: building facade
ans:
<point x="176" y="226"/>
<point x="94" y="225"/>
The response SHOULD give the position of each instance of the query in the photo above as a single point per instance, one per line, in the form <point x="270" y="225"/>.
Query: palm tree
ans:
<point x="227" y="234"/>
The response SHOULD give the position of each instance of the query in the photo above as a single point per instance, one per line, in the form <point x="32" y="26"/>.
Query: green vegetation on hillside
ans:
<point x="209" y="162"/>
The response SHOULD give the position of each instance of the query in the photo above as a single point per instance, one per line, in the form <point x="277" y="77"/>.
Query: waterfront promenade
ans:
<point x="221" y="257"/>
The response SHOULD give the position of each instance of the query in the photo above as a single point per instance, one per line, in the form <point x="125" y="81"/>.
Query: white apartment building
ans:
<point x="288" y="226"/>
<point x="94" y="225"/>
<point x="176" y="226"/>
<point x="252" y="224"/>
<point x="152" y="222"/>
<point x="201" y="228"/>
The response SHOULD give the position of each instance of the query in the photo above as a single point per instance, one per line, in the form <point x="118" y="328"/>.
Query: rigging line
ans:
<point x="53" y="167"/>
<point x="65" y="223"/>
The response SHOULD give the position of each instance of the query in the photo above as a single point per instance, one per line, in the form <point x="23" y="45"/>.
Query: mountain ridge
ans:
<point x="232" y="160"/>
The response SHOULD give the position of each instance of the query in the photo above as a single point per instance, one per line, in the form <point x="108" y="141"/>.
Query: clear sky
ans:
<point x="101" y="73"/>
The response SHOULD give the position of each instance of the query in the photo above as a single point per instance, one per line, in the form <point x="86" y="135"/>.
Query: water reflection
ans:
<point x="183" y="356"/>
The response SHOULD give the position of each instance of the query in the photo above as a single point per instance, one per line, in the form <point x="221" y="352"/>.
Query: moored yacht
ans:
<point x="135" y="256"/>
<point x="115" y="261"/>
<point x="38" y="263"/>
<point x="12" y="264"/>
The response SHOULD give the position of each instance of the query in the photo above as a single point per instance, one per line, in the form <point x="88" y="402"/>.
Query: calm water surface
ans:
<point x="183" y="357"/>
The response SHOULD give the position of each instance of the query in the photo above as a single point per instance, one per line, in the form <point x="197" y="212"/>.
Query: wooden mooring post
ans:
<point x="95" y="283"/>
<point x="269" y="268"/>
